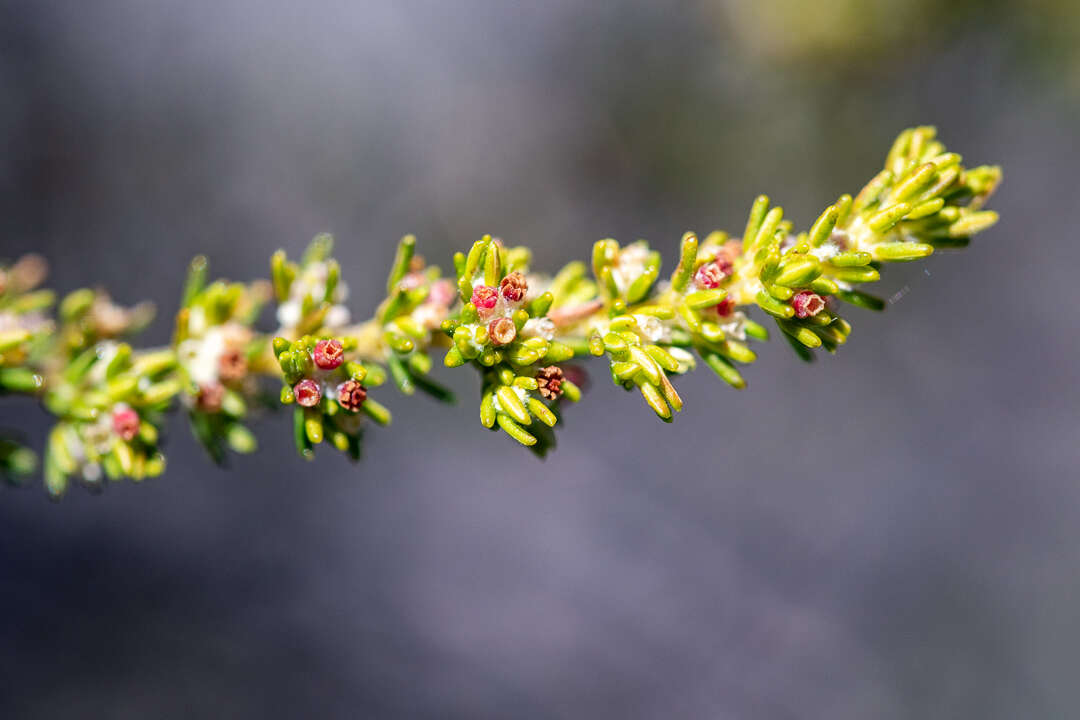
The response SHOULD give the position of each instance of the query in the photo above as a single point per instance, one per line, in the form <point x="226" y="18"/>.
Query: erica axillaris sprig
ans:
<point x="518" y="328"/>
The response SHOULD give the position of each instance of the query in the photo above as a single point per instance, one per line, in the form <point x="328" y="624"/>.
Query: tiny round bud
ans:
<point x="307" y="393"/>
<point x="328" y="354"/>
<point x="351" y="395"/>
<point x="125" y="422"/>
<point x="484" y="298"/>
<point x="709" y="276"/>
<point x="232" y="366"/>
<point x="502" y="331"/>
<point x="725" y="307"/>
<point x="549" y="382"/>
<point x="513" y="287"/>
<point x="807" y="304"/>
<point x="211" y="396"/>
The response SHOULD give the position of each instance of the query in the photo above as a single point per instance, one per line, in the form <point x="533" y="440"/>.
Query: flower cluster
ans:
<point x="220" y="357"/>
<point x="310" y="294"/>
<point x="509" y="338"/>
<point x="110" y="401"/>
<point x="328" y="391"/>
<point x="518" y="328"/>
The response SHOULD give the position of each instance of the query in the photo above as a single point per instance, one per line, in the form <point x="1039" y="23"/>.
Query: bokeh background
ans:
<point x="893" y="532"/>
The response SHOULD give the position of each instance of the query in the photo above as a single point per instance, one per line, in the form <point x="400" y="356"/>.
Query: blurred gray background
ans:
<point x="893" y="532"/>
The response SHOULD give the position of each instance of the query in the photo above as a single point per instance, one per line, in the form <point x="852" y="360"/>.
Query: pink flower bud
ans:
<point x="307" y="393"/>
<point x="484" y="298"/>
<point x="328" y="354"/>
<point x="125" y="422"/>
<point x="807" y="304"/>
<point x="709" y="276"/>
<point x="442" y="293"/>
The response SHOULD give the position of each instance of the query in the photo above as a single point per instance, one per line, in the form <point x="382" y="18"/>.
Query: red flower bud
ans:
<point x="484" y="298"/>
<point x="513" y="287"/>
<point x="307" y="393"/>
<point x="351" y="395"/>
<point x="807" y="304"/>
<point x="709" y="276"/>
<point x="328" y="354"/>
<point x="502" y="331"/>
<point x="725" y="307"/>
<point x="125" y="422"/>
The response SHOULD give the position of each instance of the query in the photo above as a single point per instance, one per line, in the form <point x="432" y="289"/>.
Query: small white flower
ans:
<point x="652" y="329"/>
<point x="201" y="357"/>
<point x="288" y="314"/>
<point x="539" y="327"/>
<point x="736" y="327"/>
<point x="826" y="250"/>
<point x="312" y="282"/>
<point x="629" y="265"/>
<point x="429" y="315"/>
<point x="336" y="317"/>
